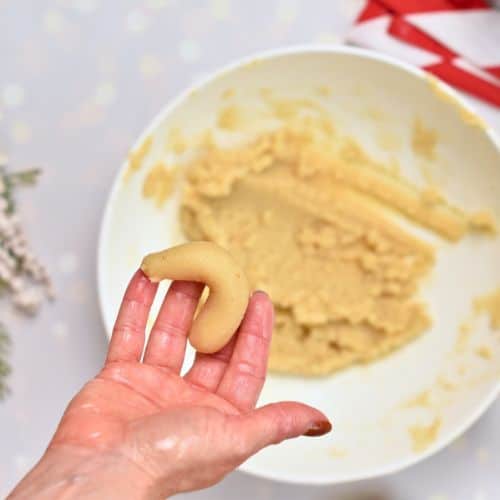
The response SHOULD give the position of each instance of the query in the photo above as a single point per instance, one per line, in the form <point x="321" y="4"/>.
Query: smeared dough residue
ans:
<point x="483" y="351"/>
<point x="483" y="221"/>
<point x="489" y="304"/>
<point x="159" y="183"/>
<point x="421" y="400"/>
<point x="228" y="93"/>
<point x="423" y="436"/>
<point x="445" y="383"/>
<point x="137" y="156"/>
<point x="467" y="116"/>
<point x="229" y="118"/>
<point x="176" y="142"/>
<point x="464" y="333"/>
<point x="424" y="140"/>
<point x="324" y="91"/>
<point x="337" y="452"/>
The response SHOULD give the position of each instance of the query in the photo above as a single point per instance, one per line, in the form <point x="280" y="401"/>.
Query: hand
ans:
<point x="140" y="430"/>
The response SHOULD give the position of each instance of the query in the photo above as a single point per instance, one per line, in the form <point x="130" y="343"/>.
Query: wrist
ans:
<point x="66" y="472"/>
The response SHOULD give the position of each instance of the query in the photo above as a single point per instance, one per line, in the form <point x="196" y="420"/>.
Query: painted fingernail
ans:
<point x="319" y="428"/>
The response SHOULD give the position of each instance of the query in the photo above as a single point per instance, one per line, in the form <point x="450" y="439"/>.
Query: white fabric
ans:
<point x="474" y="34"/>
<point x="373" y="34"/>
<point x="467" y="66"/>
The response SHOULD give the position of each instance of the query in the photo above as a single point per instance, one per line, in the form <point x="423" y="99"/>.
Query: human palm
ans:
<point x="169" y="433"/>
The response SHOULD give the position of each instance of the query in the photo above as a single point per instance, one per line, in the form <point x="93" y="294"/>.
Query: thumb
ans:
<point x="273" y="423"/>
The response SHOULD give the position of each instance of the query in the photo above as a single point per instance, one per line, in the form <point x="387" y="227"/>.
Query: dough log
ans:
<point x="207" y="263"/>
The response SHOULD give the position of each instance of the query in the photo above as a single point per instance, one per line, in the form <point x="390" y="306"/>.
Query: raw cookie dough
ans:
<point x="207" y="263"/>
<point x="311" y="231"/>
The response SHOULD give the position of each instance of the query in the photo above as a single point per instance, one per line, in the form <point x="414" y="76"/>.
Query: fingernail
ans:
<point x="319" y="428"/>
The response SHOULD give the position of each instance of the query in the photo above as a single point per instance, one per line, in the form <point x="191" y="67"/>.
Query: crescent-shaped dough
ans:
<point x="210" y="264"/>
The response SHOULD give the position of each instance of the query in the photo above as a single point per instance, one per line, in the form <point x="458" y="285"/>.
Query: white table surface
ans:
<point x="79" y="79"/>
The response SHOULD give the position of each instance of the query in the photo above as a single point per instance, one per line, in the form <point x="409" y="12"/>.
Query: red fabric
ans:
<point x="406" y="32"/>
<point x="411" y="34"/>
<point x="471" y="4"/>
<point x="466" y="81"/>
<point x="415" y="6"/>
<point x="403" y="30"/>
<point x="371" y="10"/>
<point x="494" y="70"/>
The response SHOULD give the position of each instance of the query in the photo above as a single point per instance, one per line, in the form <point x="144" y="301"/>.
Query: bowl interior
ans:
<point x="377" y="102"/>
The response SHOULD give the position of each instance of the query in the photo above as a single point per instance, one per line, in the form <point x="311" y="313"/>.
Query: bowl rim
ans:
<point x="177" y="101"/>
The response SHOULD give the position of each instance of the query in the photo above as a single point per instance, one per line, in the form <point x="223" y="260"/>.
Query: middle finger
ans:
<point x="167" y="341"/>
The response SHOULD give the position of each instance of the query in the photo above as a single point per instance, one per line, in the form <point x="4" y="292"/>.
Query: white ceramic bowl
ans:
<point x="371" y="94"/>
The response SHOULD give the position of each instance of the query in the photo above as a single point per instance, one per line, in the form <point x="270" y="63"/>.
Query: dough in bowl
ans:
<point x="307" y="215"/>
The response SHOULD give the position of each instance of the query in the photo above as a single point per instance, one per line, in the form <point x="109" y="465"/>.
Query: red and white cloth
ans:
<point x="456" y="40"/>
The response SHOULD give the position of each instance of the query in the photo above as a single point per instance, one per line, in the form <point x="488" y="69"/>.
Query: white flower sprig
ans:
<point x="22" y="277"/>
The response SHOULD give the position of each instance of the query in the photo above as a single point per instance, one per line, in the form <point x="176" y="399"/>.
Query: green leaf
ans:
<point x="11" y="180"/>
<point x="4" y="366"/>
<point x="24" y="177"/>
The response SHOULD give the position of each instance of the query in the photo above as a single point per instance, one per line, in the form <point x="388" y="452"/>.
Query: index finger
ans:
<point x="127" y="340"/>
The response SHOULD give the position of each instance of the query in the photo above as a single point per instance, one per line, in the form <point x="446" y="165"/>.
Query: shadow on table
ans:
<point x="246" y="487"/>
